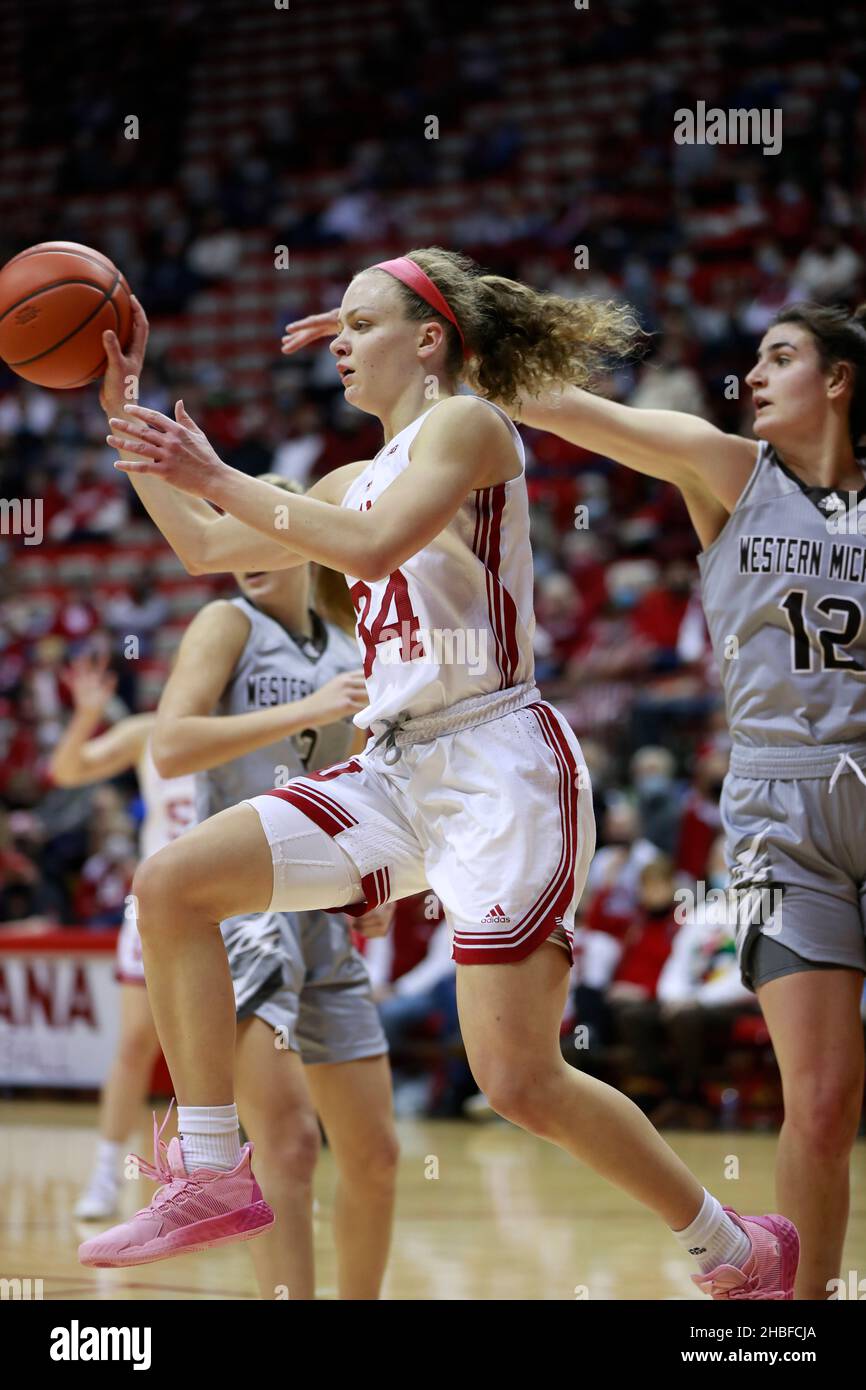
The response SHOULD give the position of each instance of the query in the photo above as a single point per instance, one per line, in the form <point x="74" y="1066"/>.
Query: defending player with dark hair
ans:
<point x="781" y="521"/>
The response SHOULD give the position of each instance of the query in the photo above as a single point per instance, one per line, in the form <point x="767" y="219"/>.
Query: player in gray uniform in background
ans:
<point x="263" y="690"/>
<point x="782" y="523"/>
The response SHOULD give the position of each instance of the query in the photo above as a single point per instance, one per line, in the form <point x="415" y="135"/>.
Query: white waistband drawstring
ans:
<point x="406" y="729"/>
<point x="846" y="761"/>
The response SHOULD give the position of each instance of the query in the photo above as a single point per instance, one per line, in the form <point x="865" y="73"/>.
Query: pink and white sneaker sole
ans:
<point x="251" y="1221"/>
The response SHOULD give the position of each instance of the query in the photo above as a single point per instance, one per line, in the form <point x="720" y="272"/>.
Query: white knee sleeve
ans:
<point x="311" y="870"/>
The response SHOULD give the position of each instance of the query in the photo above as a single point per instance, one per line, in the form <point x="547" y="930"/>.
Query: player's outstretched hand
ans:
<point x="123" y="372"/>
<point x="89" y="681"/>
<point x="176" y="451"/>
<point x="301" y="332"/>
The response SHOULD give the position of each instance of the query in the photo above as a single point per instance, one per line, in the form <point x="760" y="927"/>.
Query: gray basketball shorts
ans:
<point x="796" y="851"/>
<point x="300" y="974"/>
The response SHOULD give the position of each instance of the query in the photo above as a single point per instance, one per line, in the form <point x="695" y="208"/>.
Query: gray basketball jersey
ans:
<point x="784" y="595"/>
<point x="276" y="668"/>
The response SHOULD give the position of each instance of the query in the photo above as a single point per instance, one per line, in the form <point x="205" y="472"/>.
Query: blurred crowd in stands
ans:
<point x="706" y="241"/>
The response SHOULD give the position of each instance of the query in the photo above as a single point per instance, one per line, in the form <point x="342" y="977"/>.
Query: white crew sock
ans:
<point x="209" y="1136"/>
<point x="714" y="1239"/>
<point x="109" y="1157"/>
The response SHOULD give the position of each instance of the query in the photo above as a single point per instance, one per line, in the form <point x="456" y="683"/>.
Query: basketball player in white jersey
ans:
<point x="782" y="522"/>
<point x="169" y="803"/>
<point x="470" y="781"/>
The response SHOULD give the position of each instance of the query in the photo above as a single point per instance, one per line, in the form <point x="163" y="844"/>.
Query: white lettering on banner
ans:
<point x="48" y="992"/>
<point x="58" y="1017"/>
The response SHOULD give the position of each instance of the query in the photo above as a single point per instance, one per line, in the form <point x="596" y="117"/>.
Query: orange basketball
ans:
<point x="56" y="301"/>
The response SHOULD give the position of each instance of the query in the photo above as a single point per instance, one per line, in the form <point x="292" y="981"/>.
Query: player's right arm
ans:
<point x="204" y="542"/>
<point x="189" y="737"/>
<point x="666" y="444"/>
<point x="228" y="544"/>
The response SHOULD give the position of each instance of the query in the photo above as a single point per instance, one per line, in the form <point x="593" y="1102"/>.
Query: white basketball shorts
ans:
<point x="496" y="819"/>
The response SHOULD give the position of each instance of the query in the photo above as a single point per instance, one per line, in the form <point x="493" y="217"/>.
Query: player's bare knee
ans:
<point x="137" y="1049"/>
<point x="291" y="1149"/>
<point x="510" y="1093"/>
<point x="826" y="1113"/>
<point x="373" y="1162"/>
<point x="151" y="887"/>
<point x="163" y="887"/>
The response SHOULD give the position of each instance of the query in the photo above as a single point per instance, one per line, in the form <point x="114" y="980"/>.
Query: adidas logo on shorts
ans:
<point x="496" y="914"/>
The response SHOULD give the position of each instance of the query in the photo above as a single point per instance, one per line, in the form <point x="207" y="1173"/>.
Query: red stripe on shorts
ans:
<point x="569" y="794"/>
<point x="329" y="803"/>
<point x="377" y="890"/>
<point x="327" y="814"/>
<point x="536" y="924"/>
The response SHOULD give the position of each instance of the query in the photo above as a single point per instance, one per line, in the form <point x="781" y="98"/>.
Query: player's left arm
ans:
<point x="79" y="760"/>
<point x="462" y="444"/>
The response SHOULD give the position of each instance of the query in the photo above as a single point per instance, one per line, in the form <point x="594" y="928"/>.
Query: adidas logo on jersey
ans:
<point x="833" y="503"/>
<point x="496" y="914"/>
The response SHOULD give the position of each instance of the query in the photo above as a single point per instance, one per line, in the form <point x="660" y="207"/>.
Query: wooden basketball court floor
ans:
<point x="507" y="1217"/>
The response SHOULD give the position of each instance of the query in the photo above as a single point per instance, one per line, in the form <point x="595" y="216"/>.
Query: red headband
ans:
<point x="402" y="268"/>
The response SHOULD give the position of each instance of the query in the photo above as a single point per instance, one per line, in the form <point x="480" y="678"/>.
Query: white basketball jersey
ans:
<point x="169" y="805"/>
<point x="456" y="619"/>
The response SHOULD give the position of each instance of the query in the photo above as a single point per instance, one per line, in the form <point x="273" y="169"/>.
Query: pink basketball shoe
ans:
<point x="769" y="1271"/>
<point x="191" y="1211"/>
